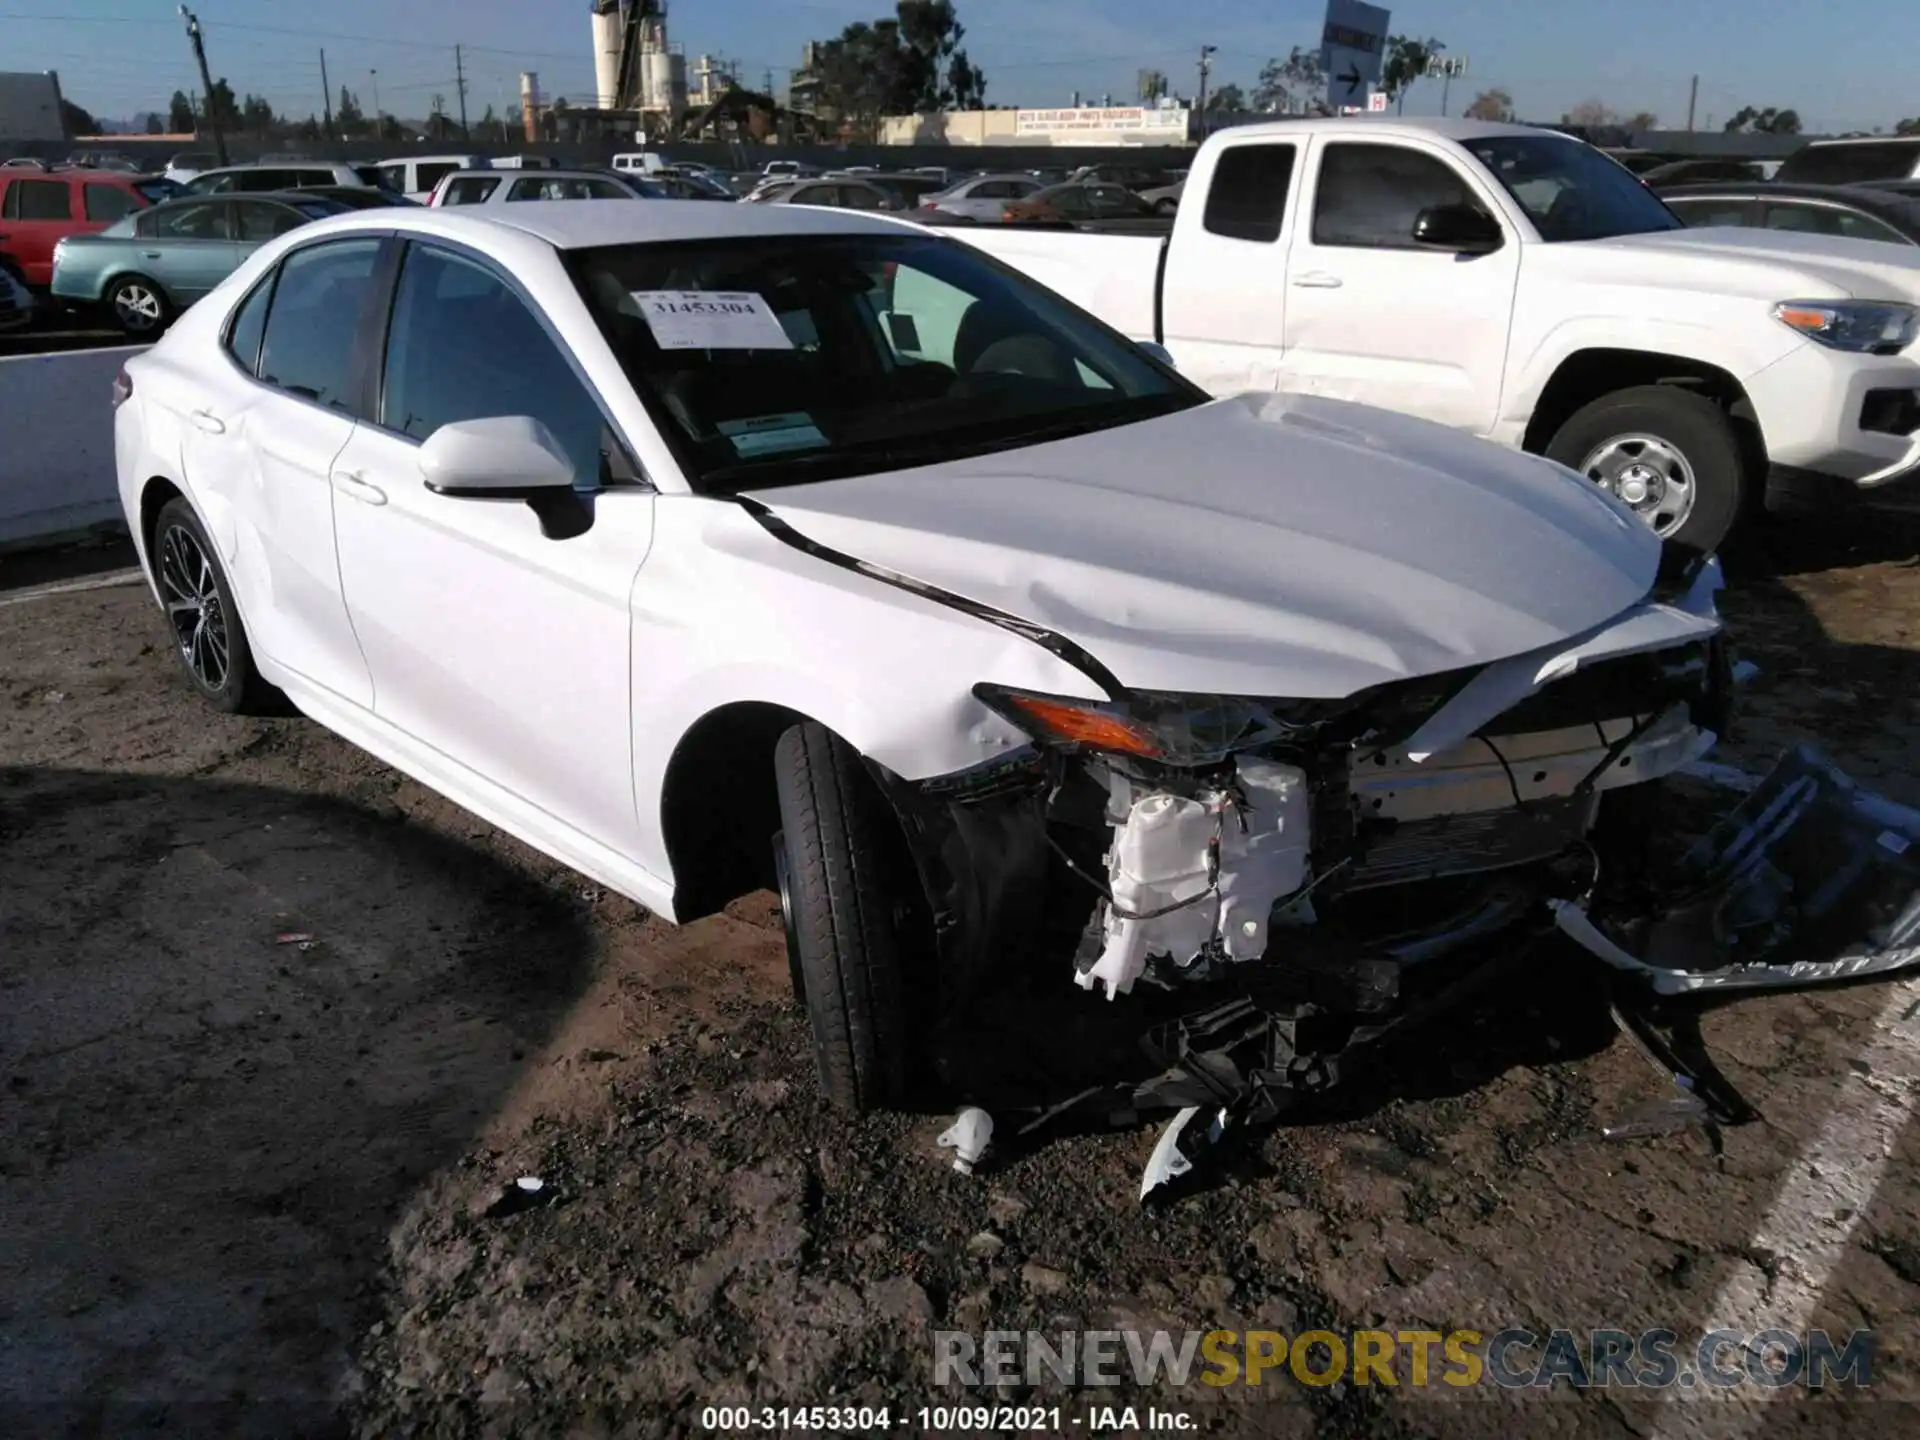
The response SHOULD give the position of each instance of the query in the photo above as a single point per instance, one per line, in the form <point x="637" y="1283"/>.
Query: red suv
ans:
<point x="40" y="208"/>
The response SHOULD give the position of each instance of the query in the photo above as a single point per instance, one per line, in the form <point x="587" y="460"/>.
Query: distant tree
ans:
<point x="1404" y="62"/>
<point x="1748" y="120"/>
<point x="390" y="128"/>
<point x="180" y="114"/>
<point x="1591" y="114"/>
<point x="1290" y="84"/>
<point x="1227" y="100"/>
<point x="1491" y="105"/>
<point x="154" y="125"/>
<point x="1642" y="120"/>
<point x="222" y="105"/>
<point x="309" y="128"/>
<point x="76" y="120"/>
<point x="1152" y="85"/>
<point x="347" y="113"/>
<point x="257" y="116"/>
<point x="1908" y="127"/>
<point x="909" y="64"/>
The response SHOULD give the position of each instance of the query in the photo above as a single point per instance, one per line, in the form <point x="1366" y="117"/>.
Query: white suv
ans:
<point x="302" y="175"/>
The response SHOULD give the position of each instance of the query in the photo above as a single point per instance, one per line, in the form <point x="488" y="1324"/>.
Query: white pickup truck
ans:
<point x="1517" y="284"/>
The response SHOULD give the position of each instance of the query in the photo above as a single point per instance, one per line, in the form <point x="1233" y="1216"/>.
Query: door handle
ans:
<point x="349" y="482"/>
<point x="1317" y="280"/>
<point x="149" y="254"/>
<point x="208" y="421"/>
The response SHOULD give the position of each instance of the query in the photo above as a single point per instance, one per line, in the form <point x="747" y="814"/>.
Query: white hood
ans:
<point x="1770" y="264"/>
<point x="1295" y="547"/>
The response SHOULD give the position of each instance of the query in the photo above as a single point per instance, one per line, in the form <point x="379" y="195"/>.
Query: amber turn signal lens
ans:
<point x="1099" y="729"/>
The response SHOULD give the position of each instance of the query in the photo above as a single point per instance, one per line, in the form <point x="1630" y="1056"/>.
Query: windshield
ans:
<point x="154" y="191"/>
<point x="787" y="359"/>
<point x="1570" y="190"/>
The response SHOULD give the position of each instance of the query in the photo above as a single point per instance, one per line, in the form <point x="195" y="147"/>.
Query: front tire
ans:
<point x="1672" y="455"/>
<point x="838" y="842"/>
<point x="207" y="633"/>
<point x="138" y="306"/>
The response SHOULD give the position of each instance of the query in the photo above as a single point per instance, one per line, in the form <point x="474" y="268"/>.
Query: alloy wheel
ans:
<point x="192" y="598"/>
<point x="1650" y="475"/>
<point x="137" y="306"/>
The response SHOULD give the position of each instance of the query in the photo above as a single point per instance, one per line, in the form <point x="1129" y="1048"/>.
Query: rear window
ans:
<point x="1247" y="199"/>
<point x="154" y="191"/>
<point x="469" y="190"/>
<point x="368" y="175"/>
<point x="1851" y="161"/>
<point x="39" y="200"/>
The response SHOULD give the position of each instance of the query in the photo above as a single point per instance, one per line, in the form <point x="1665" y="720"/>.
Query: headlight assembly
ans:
<point x="1181" y="730"/>
<point x="1867" y="327"/>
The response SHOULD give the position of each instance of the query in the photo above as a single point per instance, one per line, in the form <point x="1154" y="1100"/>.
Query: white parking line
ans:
<point x="1821" y="1203"/>
<point x="134" y="576"/>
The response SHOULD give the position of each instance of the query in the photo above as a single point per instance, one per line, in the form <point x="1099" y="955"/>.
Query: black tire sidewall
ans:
<point x="1696" y="427"/>
<point x="244" y="686"/>
<point x="838" y="871"/>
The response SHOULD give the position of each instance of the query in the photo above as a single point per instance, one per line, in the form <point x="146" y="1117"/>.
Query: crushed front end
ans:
<point x="1282" y="884"/>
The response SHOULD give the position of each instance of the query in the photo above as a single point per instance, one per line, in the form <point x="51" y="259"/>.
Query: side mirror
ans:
<point x="1158" y="352"/>
<point x="1463" y="229"/>
<point x="509" y="457"/>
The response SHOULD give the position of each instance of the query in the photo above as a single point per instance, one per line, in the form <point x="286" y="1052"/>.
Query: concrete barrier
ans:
<point x="56" y="444"/>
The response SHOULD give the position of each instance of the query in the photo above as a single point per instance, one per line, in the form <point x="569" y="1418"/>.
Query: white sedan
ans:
<point x="709" y="548"/>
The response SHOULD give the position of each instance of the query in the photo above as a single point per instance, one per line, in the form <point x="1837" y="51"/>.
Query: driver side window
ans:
<point x="463" y="345"/>
<point x="1368" y="196"/>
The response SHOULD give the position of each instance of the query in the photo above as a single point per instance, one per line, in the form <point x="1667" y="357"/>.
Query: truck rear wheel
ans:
<point x="838" y="900"/>
<point x="1671" y="455"/>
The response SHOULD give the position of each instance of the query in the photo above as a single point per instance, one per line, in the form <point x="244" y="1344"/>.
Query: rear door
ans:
<point x="1224" y="295"/>
<point x="36" y="213"/>
<point x="266" y="428"/>
<point x="1375" y="318"/>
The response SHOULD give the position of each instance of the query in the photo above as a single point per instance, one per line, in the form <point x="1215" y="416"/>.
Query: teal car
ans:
<point x="150" y="265"/>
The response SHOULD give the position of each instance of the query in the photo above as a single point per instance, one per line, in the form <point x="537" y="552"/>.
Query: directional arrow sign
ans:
<point x="1351" y="45"/>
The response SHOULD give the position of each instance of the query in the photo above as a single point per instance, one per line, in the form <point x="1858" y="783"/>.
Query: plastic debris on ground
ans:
<point x="968" y="1137"/>
<point x="526" y="1192"/>
<point x="1175" y="1153"/>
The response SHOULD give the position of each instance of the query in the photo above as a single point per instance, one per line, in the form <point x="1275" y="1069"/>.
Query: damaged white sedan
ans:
<point x="706" y="548"/>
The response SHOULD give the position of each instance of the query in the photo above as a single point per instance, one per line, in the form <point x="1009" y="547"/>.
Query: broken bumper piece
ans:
<point x="1811" y="880"/>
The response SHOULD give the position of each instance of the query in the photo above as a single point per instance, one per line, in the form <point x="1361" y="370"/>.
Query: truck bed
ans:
<point x="1116" y="277"/>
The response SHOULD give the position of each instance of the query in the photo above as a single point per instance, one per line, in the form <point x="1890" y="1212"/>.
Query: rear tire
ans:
<point x="1671" y="454"/>
<point x="205" y="623"/>
<point x="138" y="306"/>
<point x="838" y="841"/>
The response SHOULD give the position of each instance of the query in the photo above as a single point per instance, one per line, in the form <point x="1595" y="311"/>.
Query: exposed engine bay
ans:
<point x="1305" y="879"/>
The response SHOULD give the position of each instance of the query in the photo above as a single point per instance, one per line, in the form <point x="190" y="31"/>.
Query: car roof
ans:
<point x="1859" y="196"/>
<point x="1864" y="140"/>
<point x="1396" y="127"/>
<point x="584" y="224"/>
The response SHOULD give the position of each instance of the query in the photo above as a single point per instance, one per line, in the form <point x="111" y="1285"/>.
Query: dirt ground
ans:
<point x="277" y="1026"/>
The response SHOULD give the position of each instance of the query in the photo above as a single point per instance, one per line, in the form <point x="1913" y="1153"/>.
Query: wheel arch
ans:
<point x="154" y="495"/>
<point x="719" y="807"/>
<point x="1589" y="374"/>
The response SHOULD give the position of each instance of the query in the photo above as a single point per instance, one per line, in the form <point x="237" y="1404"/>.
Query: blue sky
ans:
<point x="1836" y="64"/>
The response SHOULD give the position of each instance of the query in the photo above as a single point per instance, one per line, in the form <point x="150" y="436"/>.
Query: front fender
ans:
<point x="726" y="614"/>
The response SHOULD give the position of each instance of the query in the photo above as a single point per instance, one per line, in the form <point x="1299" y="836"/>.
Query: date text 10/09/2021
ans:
<point x="964" y="1419"/>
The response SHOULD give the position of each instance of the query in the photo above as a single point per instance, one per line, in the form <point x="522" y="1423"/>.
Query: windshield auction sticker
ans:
<point x="712" y="320"/>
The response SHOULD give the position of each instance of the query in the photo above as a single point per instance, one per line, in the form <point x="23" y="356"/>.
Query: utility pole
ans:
<point x="326" y="92"/>
<point x="1446" y="89"/>
<point x="379" y="130"/>
<point x="1206" y="68"/>
<point x="200" y="54"/>
<point x="460" y="84"/>
<point x="1693" y="98"/>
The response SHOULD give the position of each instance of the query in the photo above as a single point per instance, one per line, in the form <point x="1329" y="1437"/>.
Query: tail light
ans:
<point x="122" y="389"/>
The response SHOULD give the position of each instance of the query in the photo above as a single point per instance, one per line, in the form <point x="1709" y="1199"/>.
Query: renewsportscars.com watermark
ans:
<point x="1511" y="1359"/>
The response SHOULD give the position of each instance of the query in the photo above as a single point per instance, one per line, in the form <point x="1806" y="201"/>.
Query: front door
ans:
<point x="192" y="248"/>
<point x="1373" y="317"/>
<point x="505" y="650"/>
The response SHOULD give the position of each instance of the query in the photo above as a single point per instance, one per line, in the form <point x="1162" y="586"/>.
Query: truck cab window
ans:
<point x="1247" y="199"/>
<point x="1369" y="195"/>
